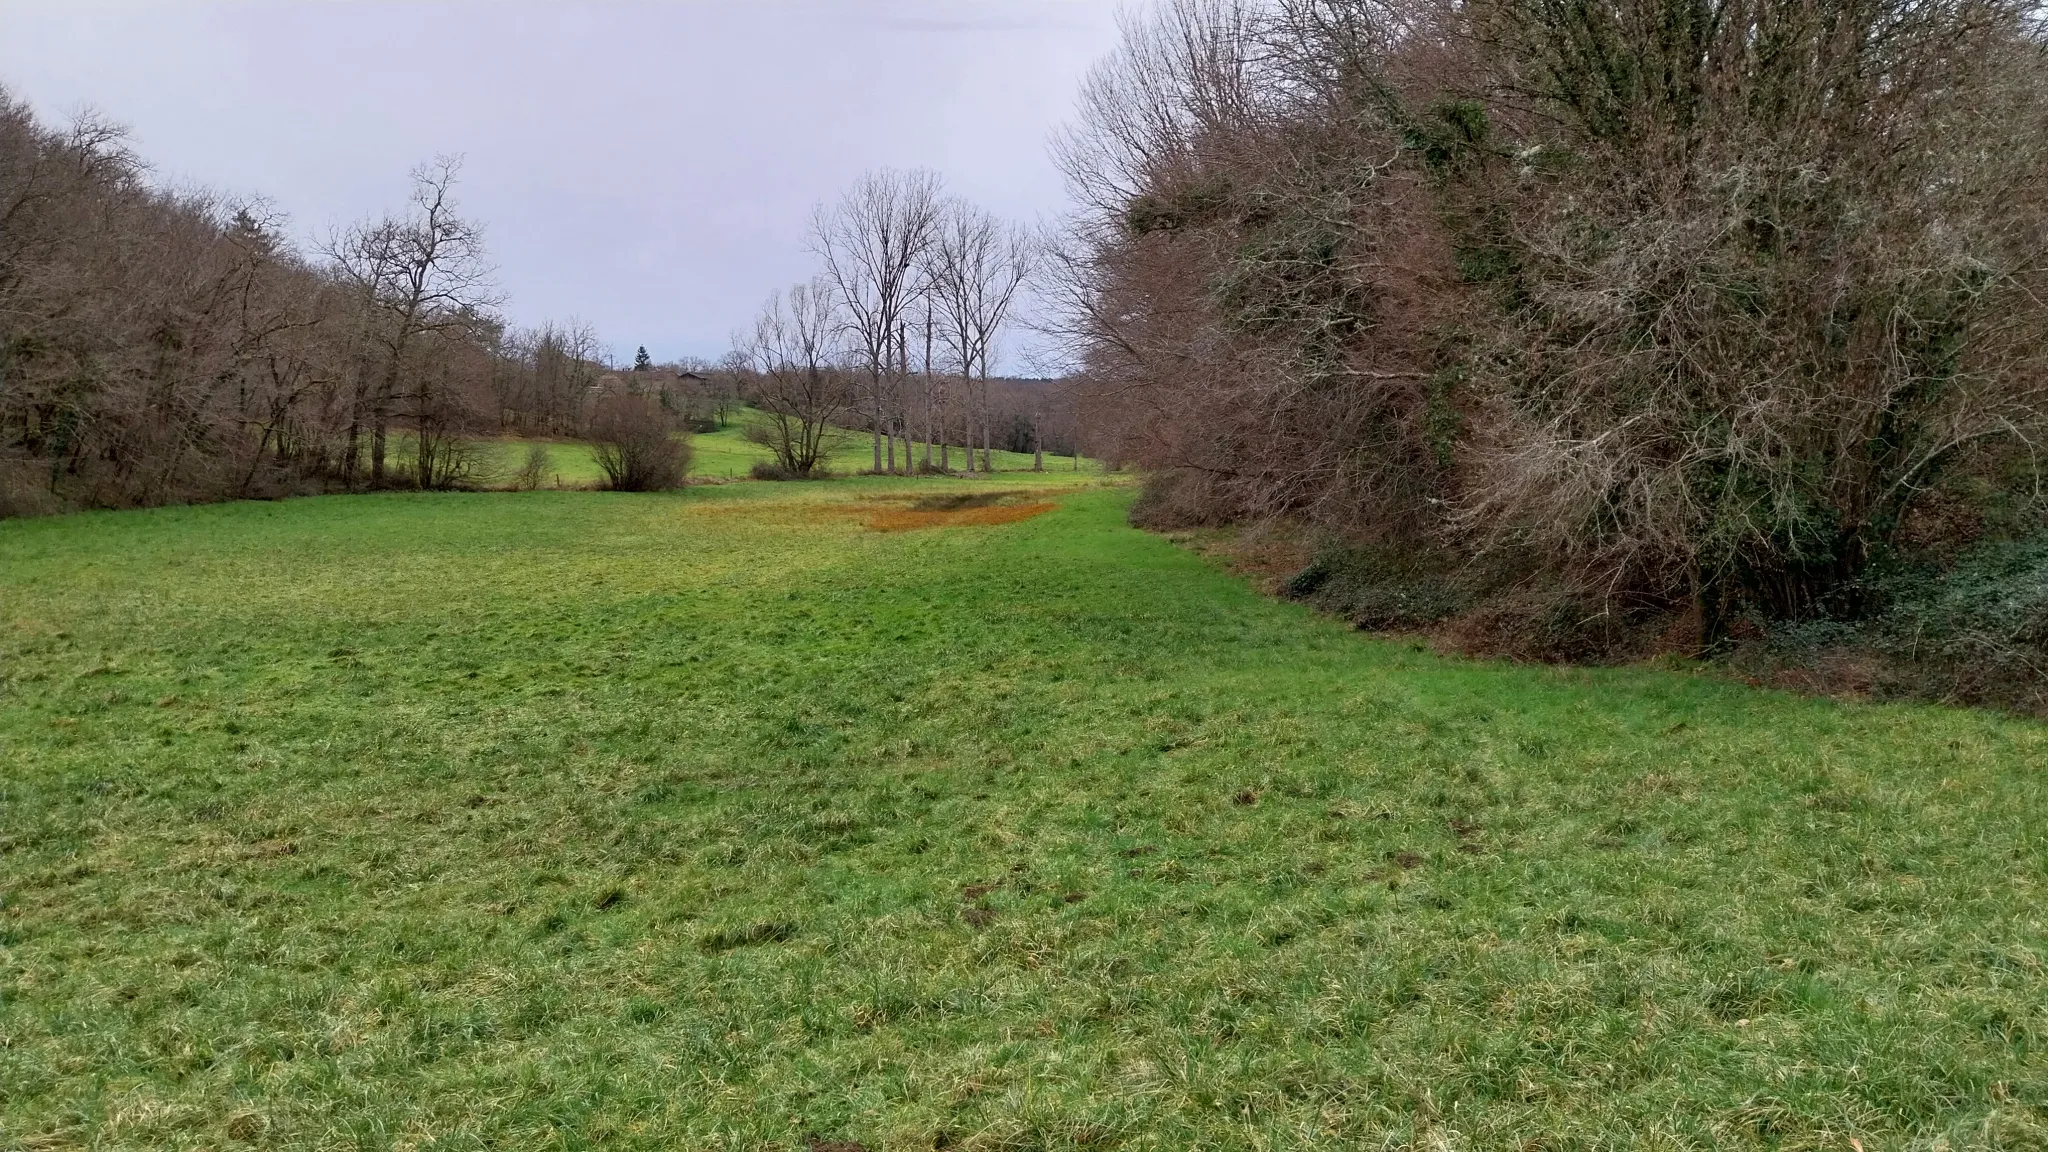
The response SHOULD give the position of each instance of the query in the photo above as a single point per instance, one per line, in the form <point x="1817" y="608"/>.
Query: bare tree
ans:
<point x="799" y="386"/>
<point x="975" y="268"/>
<point x="544" y="377"/>
<point x="419" y="275"/>
<point x="871" y="244"/>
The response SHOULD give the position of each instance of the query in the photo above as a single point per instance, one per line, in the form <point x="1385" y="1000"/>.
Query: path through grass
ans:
<point x="716" y="819"/>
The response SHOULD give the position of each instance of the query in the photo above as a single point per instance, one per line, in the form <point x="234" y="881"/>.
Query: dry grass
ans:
<point x="910" y="519"/>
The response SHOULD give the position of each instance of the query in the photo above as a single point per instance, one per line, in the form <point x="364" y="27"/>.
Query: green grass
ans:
<point x="728" y="453"/>
<point x="714" y="820"/>
<point x="723" y="455"/>
<point x="570" y="463"/>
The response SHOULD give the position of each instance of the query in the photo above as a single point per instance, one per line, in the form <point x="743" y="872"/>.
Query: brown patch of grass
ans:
<point x="783" y="513"/>
<point x="1266" y="554"/>
<point x="910" y="519"/>
<point x="954" y="501"/>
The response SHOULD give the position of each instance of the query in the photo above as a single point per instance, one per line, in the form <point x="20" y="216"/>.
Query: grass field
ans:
<point x="717" y="819"/>
<point x="723" y="455"/>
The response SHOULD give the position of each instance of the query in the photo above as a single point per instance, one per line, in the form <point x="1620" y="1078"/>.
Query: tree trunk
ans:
<point x="382" y="416"/>
<point x="256" y="461"/>
<point x="930" y="398"/>
<point x="878" y="424"/>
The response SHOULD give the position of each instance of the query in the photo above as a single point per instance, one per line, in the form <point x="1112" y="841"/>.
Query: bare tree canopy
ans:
<point x="159" y="346"/>
<point x="419" y="276"/>
<point x="800" y="387"/>
<point x="870" y="245"/>
<point x="973" y="271"/>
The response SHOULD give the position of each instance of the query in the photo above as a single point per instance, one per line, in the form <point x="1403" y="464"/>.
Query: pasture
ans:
<point x="723" y="819"/>
<point x="726" y="454"/>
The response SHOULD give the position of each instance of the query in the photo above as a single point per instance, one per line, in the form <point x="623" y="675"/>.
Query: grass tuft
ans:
<point x="762" y="932"/>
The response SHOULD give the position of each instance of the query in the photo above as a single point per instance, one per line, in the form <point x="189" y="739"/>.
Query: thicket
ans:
<point x="1623" y="321"/>
<point x="159" y="346"/>
<point x="636" y="444"/>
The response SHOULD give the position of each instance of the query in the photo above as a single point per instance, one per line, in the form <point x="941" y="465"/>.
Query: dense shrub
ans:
<point x="1674" y="314"/>
<point x="533" y="470"/>
<point x="636" y="445"/>
<point x="1981" y="624"/>
<point x="1379" y="586"/>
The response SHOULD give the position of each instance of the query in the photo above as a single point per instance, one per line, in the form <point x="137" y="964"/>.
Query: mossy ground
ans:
<point x="716" y="819"/>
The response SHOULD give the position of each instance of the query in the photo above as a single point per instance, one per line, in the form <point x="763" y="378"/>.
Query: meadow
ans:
<point x="726" y="454"/>
<point x="872" y="815"/>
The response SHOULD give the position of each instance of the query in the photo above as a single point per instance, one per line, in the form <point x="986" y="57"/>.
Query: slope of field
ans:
<point x="718" y="819"/>
<point x="723" y="455"/>
<point x="728" y="453"/>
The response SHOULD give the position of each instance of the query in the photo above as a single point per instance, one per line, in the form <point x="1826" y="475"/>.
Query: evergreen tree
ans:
<point x="641" y="360"/>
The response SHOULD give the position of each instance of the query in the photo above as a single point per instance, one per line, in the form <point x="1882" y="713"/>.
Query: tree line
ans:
<point x="1578" y="316"/>
<point x="896" y="335"/>
<point x="159" y="346"/>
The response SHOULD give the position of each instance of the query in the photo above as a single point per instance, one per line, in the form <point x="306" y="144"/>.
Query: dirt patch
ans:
<point x="975" y="910"/>
<point x="913" y="518"/>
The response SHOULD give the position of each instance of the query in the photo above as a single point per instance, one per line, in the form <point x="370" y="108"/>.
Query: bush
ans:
<point x="1697" y="345"/>
<point x="636" y="445"/>
<point x="1981" y="625"/>
<point x="534" y="470"/>
<point x="1381" y="586"/>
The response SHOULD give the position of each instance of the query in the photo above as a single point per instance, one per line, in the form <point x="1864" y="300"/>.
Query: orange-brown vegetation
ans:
<point x="910" y="519"/>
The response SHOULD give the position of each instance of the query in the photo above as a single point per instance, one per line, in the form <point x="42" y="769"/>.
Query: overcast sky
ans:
<point x="646" y="167"/>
